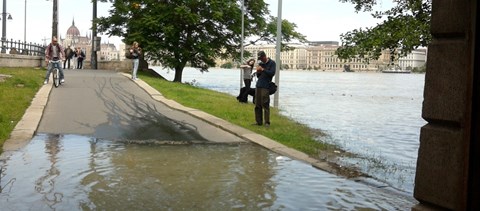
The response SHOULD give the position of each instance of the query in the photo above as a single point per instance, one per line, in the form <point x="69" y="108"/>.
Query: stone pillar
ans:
<point x="447" y="166"/>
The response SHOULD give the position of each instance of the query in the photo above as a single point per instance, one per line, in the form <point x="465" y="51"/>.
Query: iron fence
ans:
<point x="22" y="48"/>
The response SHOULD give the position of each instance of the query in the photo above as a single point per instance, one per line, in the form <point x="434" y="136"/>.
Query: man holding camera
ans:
<point x="265" y="73"/>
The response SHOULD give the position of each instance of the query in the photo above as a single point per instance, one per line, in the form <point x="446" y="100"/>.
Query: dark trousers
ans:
<point x="65" y="62"/>
<point x="79" y="63"/>
<point x="262" y="106"/>
<point x="243" y="95"/>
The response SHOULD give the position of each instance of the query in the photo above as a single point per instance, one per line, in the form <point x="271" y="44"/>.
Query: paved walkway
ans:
<point x="107" y="104"/>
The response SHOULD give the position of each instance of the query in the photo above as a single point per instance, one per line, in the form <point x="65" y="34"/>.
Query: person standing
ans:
<point x="265" y="72"/>
<point x="80" y="57"/>
<point x="247" y="80"/>
<point x="68" y="56"/>
<point x="74" y="58"/>
<point x="135" y="53"/>
<point x="54" y="51"/>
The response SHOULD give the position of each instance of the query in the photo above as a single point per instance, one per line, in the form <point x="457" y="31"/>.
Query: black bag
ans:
<point x="272" y="88"/>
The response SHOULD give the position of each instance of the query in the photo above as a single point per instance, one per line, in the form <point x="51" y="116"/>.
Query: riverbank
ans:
<point x="284" y="130"/>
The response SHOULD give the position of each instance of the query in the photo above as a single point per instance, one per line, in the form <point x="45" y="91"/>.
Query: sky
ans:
<point x="318" y="20"/>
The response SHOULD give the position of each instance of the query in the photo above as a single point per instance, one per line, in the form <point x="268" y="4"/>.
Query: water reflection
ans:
<point x="72" y="172"/>
<point x="45" y="185"/>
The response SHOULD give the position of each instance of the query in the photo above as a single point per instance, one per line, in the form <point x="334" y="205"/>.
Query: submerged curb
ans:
<point x="236" y="130"/>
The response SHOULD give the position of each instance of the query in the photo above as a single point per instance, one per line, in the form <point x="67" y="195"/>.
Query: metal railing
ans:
<point x="22" y="48"/>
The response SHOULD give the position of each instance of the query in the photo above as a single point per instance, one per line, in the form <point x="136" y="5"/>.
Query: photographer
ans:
<point x="265" y="72"/>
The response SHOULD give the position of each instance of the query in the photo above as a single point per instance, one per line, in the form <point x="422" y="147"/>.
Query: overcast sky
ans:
<point x="319" y="20"/>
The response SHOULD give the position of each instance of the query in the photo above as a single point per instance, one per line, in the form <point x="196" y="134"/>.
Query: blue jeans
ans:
<point x="50" y="68"/>
<point x="135" y="68"/>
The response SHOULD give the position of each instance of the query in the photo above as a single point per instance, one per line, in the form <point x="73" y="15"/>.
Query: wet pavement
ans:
<point x="108" y="105"/>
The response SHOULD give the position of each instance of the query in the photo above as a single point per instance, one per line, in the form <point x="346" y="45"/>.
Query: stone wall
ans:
<point x="17" y="60"/>
<point x="446" y="164"/>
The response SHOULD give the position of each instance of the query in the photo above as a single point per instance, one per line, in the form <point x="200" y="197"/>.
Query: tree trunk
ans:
<point x="178" y="73"/>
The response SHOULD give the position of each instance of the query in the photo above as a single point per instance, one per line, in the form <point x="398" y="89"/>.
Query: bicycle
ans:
<point x="56" y="72"/>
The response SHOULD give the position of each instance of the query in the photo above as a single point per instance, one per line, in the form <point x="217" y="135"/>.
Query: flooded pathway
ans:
<point x="73" y="172"/>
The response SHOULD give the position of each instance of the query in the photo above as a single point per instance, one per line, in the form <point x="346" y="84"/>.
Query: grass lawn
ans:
<point x="283" y="129"/>
<point x="16" y="94"/>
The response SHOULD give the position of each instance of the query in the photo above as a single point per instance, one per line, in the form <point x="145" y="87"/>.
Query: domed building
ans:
<point x="75" y="40"/>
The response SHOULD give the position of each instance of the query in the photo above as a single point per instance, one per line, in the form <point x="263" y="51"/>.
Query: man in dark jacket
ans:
<point x="68" y="56"/>
<point x="265" y="72"/>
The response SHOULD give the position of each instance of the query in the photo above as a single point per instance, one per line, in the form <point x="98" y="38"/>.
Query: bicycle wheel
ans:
<point x="56" y="77"/>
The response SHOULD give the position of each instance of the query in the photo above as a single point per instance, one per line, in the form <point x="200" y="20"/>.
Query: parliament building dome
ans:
<point x="73" y="30"/>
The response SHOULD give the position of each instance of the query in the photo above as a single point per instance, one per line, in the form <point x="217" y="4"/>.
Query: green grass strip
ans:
<point x="16" y="94"/>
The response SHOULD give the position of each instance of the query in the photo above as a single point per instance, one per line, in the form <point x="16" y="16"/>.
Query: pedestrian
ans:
<point x="68" y="56"/>
<point x="265" y="72"/>
<point x="247" y="80"/>
<point x="74" y="58"/>
<point x="54" y="52"/>
<point x="80" y="57"/>
<point x="135" y="53"/>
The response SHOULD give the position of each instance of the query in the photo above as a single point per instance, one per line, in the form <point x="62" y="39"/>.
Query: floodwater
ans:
<point x="73" y="172"/>
<point x="375" y="116"/>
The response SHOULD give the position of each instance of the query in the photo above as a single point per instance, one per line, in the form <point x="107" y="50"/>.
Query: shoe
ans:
<point x="267" y="124"/>
<point x="62" y="81"/>
<point x="45" y="82"/>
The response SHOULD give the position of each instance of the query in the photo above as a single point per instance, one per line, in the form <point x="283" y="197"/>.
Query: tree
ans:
<point x="177" y="32"/>
<point x="406" y="27"/>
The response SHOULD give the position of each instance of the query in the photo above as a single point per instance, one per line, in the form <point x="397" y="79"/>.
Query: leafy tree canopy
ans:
<point x="406" y="27"/>
<point x="195" y="32"/>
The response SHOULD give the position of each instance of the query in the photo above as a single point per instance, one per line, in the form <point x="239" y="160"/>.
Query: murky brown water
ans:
<point x="71" y="172"/>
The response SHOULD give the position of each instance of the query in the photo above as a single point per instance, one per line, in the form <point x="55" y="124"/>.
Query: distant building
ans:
<point x="73" y="39"/>
<point x="320" y="55"/>
<point x="417" y="58"/>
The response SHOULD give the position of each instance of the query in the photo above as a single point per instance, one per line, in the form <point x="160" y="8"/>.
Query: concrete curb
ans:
<point x="236" y="130"/>
<point x="27" y="126"/>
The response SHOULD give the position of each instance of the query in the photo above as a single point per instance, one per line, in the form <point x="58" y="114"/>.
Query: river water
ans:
<point x="376" y="116"/>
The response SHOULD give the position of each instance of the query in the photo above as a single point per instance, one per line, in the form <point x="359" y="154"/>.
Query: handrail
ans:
<point x="22" y="48"/>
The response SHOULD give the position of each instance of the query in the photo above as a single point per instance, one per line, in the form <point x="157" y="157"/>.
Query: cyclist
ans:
<point x="54" y="51"/>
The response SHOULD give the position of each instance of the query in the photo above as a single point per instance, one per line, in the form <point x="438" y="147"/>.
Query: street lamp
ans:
<point x="4" y="24"/>
<point x="242" y="47"/>
<point x="54" y="18"/>
<point x="25" y="24"/>
<point x="95" y="41"/>
<point x="277" y="58"/>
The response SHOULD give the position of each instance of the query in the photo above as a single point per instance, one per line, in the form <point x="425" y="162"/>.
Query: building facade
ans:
<point x="320" y="55"/>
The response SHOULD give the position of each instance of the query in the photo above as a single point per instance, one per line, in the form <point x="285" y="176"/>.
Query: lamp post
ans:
<point x="277" y="58"/>
<point x="25" y="24"/>
<point x="241" y="45"/>
<point x="54" y="18"/>
<point x="93" y="59"/>
<point x="4" y="25"/>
